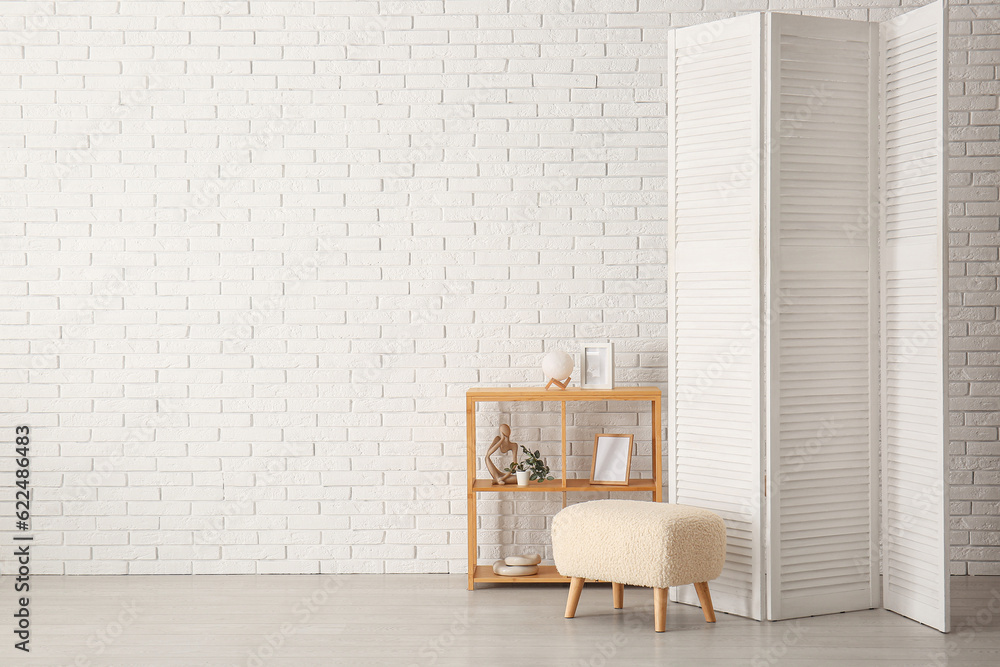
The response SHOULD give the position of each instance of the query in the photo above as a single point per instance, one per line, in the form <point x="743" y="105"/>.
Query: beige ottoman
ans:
<point x="657" y="545"/>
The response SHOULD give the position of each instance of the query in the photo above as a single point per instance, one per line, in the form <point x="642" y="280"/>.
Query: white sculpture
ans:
<point x="518" y="566"/>
<point x="502" y="569"/>
<point x="525" y="559"/>
<point x="557" y="367"/>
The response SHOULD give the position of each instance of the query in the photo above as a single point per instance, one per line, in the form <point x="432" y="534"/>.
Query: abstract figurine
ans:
<point x="504" y="444"/>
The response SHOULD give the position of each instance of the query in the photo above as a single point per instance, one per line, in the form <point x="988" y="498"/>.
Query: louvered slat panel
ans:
<point x="914" y="290"/>
<point x="821" y="440"/>
<point x="714" y="429"/>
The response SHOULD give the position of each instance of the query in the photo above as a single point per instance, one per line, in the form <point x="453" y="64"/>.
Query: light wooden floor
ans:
<point x="182" y="621"/>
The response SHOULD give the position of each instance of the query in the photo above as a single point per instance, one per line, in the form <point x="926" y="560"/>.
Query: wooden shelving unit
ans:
<point x="548" y="573"/>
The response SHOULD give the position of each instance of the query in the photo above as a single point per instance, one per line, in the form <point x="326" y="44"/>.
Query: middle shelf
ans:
<point x="559" y="485"/>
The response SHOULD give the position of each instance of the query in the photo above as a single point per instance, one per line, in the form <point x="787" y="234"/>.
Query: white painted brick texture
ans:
<point x="254" y="253"/>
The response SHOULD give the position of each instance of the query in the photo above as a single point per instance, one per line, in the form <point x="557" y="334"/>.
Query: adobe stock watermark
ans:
<point x="99" y="641"/>
<point x="985" y="618"/>
<point x="436" y="647"/>
<point x="741" y="344"/>
<point x="773" y="655"/>
<point x="206" y="197"/>
<point x="745" y="174"/>
<point x="605" y="651"/>
<point x="302" y="270"/>
<point x="301" y="612"/>
<point x="550" y="187"/>
<point x="144" y="432"/>
<point x="106" y="291"/>
<point x="216" y="523"/>
<point x="796" y="460"/>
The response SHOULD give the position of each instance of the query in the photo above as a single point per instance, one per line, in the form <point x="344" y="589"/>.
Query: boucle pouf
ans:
<point x="657" y="545"/>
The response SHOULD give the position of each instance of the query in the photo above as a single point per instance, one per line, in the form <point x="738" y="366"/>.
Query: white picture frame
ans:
<point x="612" y="459"/>
<point x="597" y="366"/>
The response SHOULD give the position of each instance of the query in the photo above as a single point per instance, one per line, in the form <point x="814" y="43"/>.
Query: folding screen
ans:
<point x="780" y="188"/>
<point x="715" y="418"/>
<point x="914" y="307"/>
<point x="821" y="362"/>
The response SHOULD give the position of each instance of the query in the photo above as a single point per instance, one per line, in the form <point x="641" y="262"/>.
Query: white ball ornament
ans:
<point x="557" y="365"/>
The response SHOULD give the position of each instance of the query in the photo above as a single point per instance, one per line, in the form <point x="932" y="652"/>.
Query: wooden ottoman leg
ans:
<point x="618" y="592"/>
<point x="575" y="588"/>
<point x="660" y="609"/>
<point x="706" y="601"/>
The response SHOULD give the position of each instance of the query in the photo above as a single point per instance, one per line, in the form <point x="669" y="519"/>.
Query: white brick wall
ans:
<point x="975" y="235"/>
<point x="255" y="252"/>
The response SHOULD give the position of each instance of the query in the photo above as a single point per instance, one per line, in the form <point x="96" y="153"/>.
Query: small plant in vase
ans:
<point x="532" y="467"/>
<point x="520" y="470"/>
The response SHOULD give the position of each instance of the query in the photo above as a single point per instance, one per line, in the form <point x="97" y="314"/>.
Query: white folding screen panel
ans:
<point x="822" y="497"/>
<point x="914" y="316"/>
<point x="807" y="278"/>
<point x="713" y="404"/>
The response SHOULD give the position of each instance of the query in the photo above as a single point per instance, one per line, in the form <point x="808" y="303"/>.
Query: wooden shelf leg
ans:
<point x="470" y="472"/>
<point x="562" y="471"/>
<point x="705" y="597"/>
<point x="657" y="450"/>
<point x="575" y="588"/>
<point x="660" y="609"/>
<point x="473" y="551"/>
<point x="618" y="593"/>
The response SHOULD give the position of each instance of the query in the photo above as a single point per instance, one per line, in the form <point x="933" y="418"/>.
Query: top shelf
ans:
<point x="570" y="394"/>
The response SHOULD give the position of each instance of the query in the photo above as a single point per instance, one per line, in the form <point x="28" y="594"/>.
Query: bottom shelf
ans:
<point x="547" y="574"/>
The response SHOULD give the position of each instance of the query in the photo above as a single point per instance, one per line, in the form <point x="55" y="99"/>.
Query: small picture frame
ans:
<point x="597" y="366"/>
<point x="612" y="459"/>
